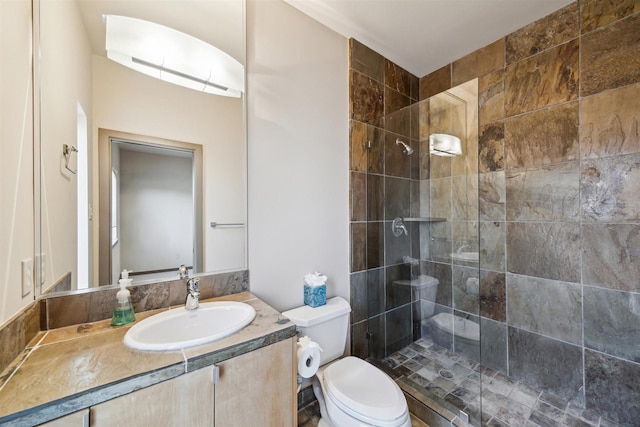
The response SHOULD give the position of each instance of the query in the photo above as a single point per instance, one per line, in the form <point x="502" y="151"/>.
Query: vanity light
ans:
<point x="442" y="144"/>
<point x="172" y="56"/>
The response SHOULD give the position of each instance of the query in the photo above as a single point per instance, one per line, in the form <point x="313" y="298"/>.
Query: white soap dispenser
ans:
<point x="123" y="313"/>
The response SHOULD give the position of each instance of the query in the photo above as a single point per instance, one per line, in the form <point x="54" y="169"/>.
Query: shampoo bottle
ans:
<point x="123" y="313"/>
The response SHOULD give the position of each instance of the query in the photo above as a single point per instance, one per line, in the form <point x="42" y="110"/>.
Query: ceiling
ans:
<point x="424" y="35"/>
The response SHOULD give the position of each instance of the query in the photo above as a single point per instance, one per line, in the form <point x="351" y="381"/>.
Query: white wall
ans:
<point x="298" y="152"/>
<point x="65" y="82"/>
<point x="16" y="158"/>
<point x="129" y="101"/>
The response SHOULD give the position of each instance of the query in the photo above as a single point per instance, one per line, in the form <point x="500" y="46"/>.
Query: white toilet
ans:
<point x="350" y="391"/>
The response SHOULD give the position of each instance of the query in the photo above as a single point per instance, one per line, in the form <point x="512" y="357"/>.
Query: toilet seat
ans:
<point x="364" y="392"/>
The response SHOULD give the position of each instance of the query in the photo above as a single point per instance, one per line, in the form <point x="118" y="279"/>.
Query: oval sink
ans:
<point x="180" y="328"/>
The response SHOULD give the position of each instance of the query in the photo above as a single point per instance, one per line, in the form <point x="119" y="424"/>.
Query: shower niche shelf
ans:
<point x="424" y="219"/>
<point x="398" y="228"/>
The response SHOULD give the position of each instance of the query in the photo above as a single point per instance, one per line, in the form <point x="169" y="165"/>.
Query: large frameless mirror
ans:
<point x="174" y="190"/>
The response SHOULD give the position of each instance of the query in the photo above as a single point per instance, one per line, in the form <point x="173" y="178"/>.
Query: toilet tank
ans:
<point x="327" y="325"/>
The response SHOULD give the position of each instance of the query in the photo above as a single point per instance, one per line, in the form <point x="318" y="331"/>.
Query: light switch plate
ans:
<point x="27" y="276"/>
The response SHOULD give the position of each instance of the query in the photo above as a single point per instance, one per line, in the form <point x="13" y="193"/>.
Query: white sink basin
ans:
<point x="180" y="328"/>
<point x="466" y="256"/>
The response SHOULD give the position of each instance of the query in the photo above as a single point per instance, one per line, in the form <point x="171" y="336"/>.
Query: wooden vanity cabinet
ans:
<point x="255" y="388"/>
<point x="259" y="388"/>
<point x="77" y="419"/>
<point x="187" y="400"/>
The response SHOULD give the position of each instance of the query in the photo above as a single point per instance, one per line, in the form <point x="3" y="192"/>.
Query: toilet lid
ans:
<point x="364" y="391"/>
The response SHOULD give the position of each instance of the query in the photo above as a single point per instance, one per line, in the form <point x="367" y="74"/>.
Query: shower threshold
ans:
<point x="445" y="384"/>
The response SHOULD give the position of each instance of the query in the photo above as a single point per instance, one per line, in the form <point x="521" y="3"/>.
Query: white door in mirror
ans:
<point x="180" y="328"/>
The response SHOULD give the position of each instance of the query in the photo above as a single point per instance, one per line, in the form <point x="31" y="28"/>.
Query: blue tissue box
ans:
<point x="315" y="296"/>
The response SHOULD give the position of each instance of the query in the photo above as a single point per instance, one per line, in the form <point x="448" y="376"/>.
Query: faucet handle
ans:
<point x="183" y="271"/>
<point x="192" y="284"/>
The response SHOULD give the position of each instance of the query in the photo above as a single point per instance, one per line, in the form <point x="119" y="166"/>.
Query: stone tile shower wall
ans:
<point x="384" y="185"/>
<point x="559" y="205"/>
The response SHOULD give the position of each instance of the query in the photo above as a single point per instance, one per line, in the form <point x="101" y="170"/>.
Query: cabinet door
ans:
<point x="184" y="401"/>
<point x="77" y="419"/>
<point x="258" y="388"/>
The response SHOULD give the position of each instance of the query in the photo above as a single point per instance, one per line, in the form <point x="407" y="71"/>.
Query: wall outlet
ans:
<point x="27" y="276"/>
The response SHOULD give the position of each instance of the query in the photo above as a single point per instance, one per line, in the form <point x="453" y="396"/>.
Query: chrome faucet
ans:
<point x="193" y="294"/>
<point x="183" y="272"/>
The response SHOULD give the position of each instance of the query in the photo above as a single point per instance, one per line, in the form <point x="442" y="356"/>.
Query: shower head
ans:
<point x="407" y="149"/>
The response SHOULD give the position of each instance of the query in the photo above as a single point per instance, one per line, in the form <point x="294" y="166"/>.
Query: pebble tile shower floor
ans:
<point x="446" y="376"/>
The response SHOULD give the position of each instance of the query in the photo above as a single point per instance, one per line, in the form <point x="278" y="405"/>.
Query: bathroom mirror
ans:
<point x="82" y="93"/>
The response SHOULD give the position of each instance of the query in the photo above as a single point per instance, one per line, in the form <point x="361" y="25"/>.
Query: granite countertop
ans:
<point x="72" y="368"/>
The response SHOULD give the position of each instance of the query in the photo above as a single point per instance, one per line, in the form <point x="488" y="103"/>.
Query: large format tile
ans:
<point x="545" y="363"/>
<point x="491" y="97"/>
<point x="359" y="342"/>
<point x="492" y="196"/>
<point x="375" y="245"/>
<point x="375" y="197"/>
<point x="399" y="79"/>
<point x="612" y="387"/>
<point x="464" y="197"/>
<point x="493" y="344"/>
<point x="555" y="28"/>
<point x="612" y="322"/>
<point x="491" y="147"/>
<point x="375" y="291"/>
<point x="610" y="188"/>
<point x="358" y="146"/>
<point x="466" y="289"/>
<point x="478" y="63"/>
<point x="397" y="293"/>
<point x="397" y="112"/>
<point x="441" y="198"/>
<point x="358" y="199"/>
<point x="548" y="250"/>
<point x="611" y="256"/>
<point x="435" y="82"/>
<point x="492" y="245"/>
<point x="397" y="198"/>
<point x="542" y="137"/>
<point x="548" y="78"/>
<point x="598" y="13"/>
<point x="610" y="56"/>
<point x="609" y="123"/>
<point x="358" y="246"/>
<point x="547" y="193"/>
<point x="367" y="99"/>
<point x="366" y="60"/>
<point x="547" y="307"/>
<point x="358" y="296"/>
<point x="493" y="296"/>
<point x="396" y="247"/>
<point x="396" y="162"/>
<point x="399" y="328"/>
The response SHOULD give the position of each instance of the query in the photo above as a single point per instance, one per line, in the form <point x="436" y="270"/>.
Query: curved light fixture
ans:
<point x="442" y="144"/>
<point x="172" y="56"/>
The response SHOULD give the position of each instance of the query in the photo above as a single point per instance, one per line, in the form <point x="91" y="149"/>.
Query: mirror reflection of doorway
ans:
<point x="154" y="206"/>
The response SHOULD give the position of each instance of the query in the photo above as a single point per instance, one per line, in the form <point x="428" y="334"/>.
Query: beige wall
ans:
<point x="131" y="102"/>
<point x="298" y="153"/>
<point x="16" y="161"/>
<point x="65" y="81"/>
